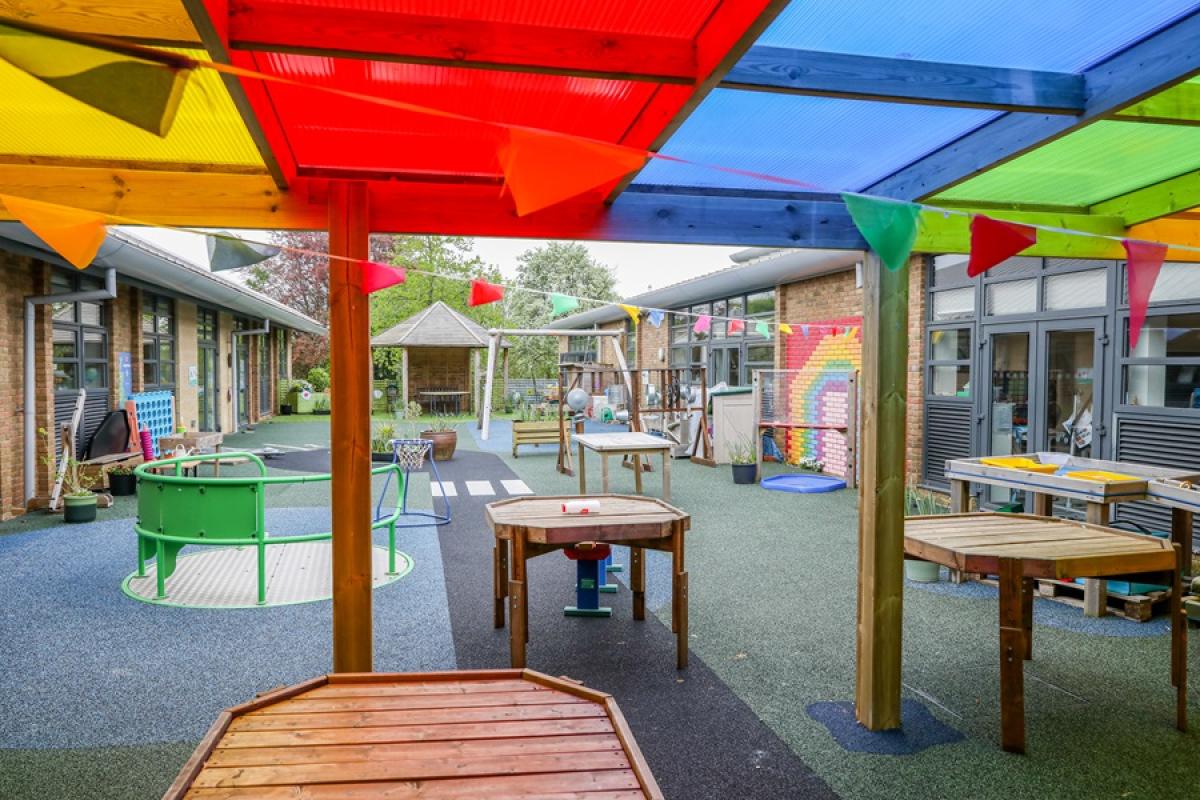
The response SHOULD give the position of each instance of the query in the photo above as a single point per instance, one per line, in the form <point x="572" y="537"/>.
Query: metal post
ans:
<point x="493" y="343"/>
<point x="350" y="401"/>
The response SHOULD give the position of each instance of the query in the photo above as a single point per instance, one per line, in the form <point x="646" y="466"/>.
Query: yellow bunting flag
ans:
<point x="73" y="233"/>
<point x="633" y="311"/>
<point x="785" y="329"/>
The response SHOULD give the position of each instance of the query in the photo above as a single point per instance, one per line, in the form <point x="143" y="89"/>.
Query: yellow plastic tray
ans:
<point x="1019" y="462"/>
<point x="1100" y="476"/>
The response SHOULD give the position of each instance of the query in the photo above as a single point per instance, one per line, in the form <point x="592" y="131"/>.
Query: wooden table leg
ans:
<point x="1012" y="656"/>
<point x="637" y="474"/>
<point x="960" y="503"/>
<point x="1179" y="646"/>
<point x="637" y="581"/>
<point x="1043" y="504"/>
<point x="500" y="581"/>
<point x="1095" y="591"/>
<point x="1027" y="615"/>
<point x="604" y="472"/>
<point x="582" y="472"/>
<point x="1181" y="534"/>
<point x="518" y="600"/>
<point x="666" y="475"/>
<point x="679" y="587"/>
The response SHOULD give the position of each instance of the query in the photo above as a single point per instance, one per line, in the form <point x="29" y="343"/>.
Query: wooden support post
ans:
<point x="404" y="378"/>
<point x="884" y="389"/>
<point x="960" y="496"/>
<point x="1012" y="656"/>
<point x="1095" y="591"/>
<point x="1179" y="625"/>
<point x="1181" y="534"/>
<point x="350" y="427"/>
<point x="1043" y="504"/>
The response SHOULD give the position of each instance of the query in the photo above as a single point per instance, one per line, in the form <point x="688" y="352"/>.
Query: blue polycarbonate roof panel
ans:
<point x="830" y="143"/>
<point x="1056" y="35"/>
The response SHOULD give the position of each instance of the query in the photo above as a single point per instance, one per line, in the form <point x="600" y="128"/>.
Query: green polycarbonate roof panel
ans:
<point x="1058" y="35"/>
<point x="1095" y="163"/>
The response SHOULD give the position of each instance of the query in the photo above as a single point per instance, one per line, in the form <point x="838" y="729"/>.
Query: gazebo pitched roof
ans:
<point x="438" y="325"/>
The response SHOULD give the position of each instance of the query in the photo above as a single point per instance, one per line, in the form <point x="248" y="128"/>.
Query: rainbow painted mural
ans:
<point x="817" y="394"/>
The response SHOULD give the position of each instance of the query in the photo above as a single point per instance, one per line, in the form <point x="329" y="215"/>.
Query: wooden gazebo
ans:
<point x="439" y="356"/>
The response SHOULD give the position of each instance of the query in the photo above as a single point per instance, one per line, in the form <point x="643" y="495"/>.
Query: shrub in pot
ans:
<point x="444" y="438"/>
<point x="122" y="482"/>
<point x="382" y="434"/>
<point x="744" y="459"/>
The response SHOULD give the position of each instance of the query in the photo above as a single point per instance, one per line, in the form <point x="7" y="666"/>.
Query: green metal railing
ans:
<point x="176" y="509"/>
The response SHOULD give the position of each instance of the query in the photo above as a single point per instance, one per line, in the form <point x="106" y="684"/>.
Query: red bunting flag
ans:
<point x="1141" y="271"/>
<point x="993" y="240"/>
<point x="377" y="276"/>
<point x="73" y="233"/>
<point x="543" y="168"/>
<point x="483" y="293"/>
<point x="736" y="326"/>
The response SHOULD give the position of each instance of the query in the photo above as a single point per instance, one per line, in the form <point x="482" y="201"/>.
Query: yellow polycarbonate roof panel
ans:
<point x="38" y="121"/>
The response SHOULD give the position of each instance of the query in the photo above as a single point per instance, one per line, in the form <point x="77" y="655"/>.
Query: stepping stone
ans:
<point x="480" y="488"/>
<point x="516" y="487"/>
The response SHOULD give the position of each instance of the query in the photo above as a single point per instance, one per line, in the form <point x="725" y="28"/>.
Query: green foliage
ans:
<point x="743" y="452"/>
<point x="382" y="434"/>
<point x="922" y="503"/>
<point x="318" y="378"/>
<point x="563" y="267"/>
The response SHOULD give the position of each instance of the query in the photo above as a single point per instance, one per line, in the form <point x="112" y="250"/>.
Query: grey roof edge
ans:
<point x="151" y="264"/>
<point x="469" y="326"/>
<point x="756" y="268"/>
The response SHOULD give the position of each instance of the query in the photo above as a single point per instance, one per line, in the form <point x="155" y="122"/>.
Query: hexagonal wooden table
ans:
<point x="533" y="526"/>
<point x="482" y="733"/>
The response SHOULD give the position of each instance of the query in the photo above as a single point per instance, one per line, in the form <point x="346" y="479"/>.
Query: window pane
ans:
<point x="679" y="357"/>
<point x="164" y="324"/>
<point x="762" y="303"/>
<point x="148" y="373"/>
<point x="1076" y="290"/>
<point x="147" y="322"/>
<point x="1176" y="281"/>
<point x="166" y="373"/>
<point x="1169" y="335"/>
<point x="953" y="345"/>
<point x="697" y="355"/>
<point x="719" y="309"/>
<point x="149" y="351"/>
<point x="61" y="283"/>
<point x="66" y="376"/>
<point x="954" y="304"/>
<point x="93" y="346"/>
<point x="1012" y="297"/>
<point x="950" y="381"/>
<point x="63" y="343"/>
<point x="91" y="314"/>
<point x="1163" y="386"/>
<point x="761" y="353"/>
<point x="166" y="350"/>
<point x="63" y="312"/>
<point x="949" y="270"/>
<point x="95" y="376"/>
<point x="1015" y="267"/>
<point x="679" y="334"/>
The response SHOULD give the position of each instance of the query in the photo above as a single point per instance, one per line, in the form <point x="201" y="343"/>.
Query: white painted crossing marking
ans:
<point x="450" y="489"/>
<point x="516" y="487"/>
<point x="480" y="488"/>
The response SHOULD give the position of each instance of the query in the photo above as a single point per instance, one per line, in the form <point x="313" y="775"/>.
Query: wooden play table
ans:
<point x="632" y="444"/>
<point x="1020" y="549"/>
<point x="533" y="526"/>
<point x="486" y="733"/>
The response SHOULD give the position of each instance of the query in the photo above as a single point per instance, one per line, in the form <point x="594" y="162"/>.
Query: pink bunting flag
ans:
<point x="1141" y="271"/>
<point x="380" y="276"/>
<point x="703" y="324"/>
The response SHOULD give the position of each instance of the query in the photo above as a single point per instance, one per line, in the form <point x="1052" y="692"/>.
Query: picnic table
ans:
<point x="534" y="526"/>
<point x="1020" y="549"/>
<point x="450" y="401"/>
<point x="482" y="733"/>
<point x="631" y="444"/>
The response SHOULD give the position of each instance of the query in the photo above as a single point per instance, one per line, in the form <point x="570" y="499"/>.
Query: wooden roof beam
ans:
<point x="900" y="80"/>
<point x="287" y="27"/>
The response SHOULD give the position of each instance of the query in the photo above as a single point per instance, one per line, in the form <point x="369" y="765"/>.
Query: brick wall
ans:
<point x="651" y="340"/>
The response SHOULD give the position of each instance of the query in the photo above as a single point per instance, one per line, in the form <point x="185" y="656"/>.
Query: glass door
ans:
<point x="207" y="388"/>
<point x="1072" y="396"/>
<point x="1009" y="363"/>
<point x="725" y="364"/>
<point x="242" y="365"/>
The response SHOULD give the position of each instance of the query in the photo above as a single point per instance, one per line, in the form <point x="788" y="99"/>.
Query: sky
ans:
<point x="638" y="267"/>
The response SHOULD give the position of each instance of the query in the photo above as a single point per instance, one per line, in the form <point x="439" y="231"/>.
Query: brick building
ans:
<point x="218" y="347"/>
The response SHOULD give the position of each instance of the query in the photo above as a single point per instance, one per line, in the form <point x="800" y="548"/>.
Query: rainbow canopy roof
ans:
<point x="1068" y="112"/>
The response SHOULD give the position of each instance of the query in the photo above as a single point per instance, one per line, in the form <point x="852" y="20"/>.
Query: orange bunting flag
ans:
<point x="1141" y="272"/>
<point x="73" y="233"/>
<point x="542" y="168"/>
<point x="483" y="293"/>
<point x="994" y="240"/>
<point x="377" y="276"/>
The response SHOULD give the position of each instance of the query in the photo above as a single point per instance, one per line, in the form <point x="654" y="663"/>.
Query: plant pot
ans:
<point x="919" y="571"/>
<point x="285" y="410"/>
<point x="744" y="473"/>
<point x="79" y="508"/>
<point x="444" y="443"/>
<point x="122" y="485"/>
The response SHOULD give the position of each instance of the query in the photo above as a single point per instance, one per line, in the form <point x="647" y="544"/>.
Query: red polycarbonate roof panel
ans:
<point x="330" y="132"/>
<point x="680" y="18"/>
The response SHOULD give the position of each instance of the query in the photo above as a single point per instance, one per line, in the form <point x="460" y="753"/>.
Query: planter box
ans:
<point x="534" y="433"/>
<point x="300" y="405"/>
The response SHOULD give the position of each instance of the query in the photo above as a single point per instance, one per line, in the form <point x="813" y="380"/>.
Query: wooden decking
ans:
<point x="489" y="734"/>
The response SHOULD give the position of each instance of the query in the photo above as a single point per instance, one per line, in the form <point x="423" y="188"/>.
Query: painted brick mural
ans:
<point x="817" y="394"/>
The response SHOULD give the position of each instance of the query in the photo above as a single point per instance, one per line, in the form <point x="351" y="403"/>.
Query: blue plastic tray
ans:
<point x="803" y="483"/>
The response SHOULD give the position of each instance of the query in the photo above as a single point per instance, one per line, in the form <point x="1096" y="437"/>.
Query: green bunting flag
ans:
<point x="562" y="303"/>
<point x="141" y="86"/>
<point x="762" y="329"/>
<point x="889" y="227"/>
<point x="229" y="252"/>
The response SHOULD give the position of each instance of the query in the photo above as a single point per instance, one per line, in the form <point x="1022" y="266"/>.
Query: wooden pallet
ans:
<point x="1135" y="607"/>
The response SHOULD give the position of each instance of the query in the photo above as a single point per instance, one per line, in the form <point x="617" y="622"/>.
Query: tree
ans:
<point x="449" y="256"/>
<point x="300" y="280"/>
<point x="563" y="267"/>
